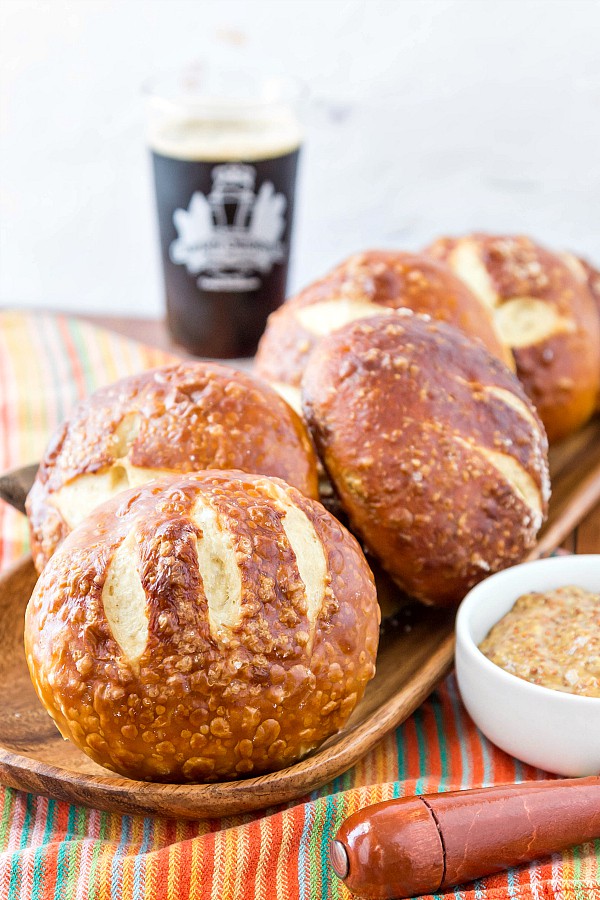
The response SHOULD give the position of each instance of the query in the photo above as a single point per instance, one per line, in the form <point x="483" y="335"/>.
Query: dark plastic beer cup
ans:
<point x="225" y="150"/>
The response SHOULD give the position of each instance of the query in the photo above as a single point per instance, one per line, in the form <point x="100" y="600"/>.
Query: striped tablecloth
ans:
<point x="50" y="850"/>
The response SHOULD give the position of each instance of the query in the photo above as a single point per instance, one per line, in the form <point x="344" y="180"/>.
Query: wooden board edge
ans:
<point x="295" y="783"/>
<point x="189" y="801"/>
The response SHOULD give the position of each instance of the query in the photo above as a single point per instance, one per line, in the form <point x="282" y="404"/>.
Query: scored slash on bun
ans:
<point x="544" y="310"/>
<point x="434" y="449"/>
<point x="181" y="418"/>
<point x="364" y="285"/>
<point x="202" y="628"/>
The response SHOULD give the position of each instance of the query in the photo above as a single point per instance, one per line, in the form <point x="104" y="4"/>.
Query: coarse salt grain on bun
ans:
<point x="364" y="285"/>
<point x="544" y="310"/>
<point x="202" y="628"/>
<point x="435" y="451"/>
<point x="181" y="418"/>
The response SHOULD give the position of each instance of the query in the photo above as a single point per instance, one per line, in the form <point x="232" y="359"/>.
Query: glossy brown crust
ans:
<point x="420" y="845"/>
<point x="395" y="409"/>
<point x="561" y="374"/>
<point x="385" y="278"/>
<point x="593" y="279"/>
<point x="200" y="707"/>
<point x="189" y="417"/>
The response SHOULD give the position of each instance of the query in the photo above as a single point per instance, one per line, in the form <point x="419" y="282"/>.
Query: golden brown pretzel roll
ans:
<point x="433" y="447"/>
<point x="544" y="311"/>
<point x="180" y="418"/>
<point x="202" y="628"/>
<point x="587" y="272"/>
<point x="593" y="280"/>
<point x="354" y="290"/>
<point x="592" y="277"/>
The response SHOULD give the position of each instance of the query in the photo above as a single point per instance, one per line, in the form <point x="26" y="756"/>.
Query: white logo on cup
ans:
<point x="232" y="235"/>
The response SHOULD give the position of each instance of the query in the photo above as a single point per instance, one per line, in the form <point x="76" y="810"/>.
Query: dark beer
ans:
<point x="225" y="198"/>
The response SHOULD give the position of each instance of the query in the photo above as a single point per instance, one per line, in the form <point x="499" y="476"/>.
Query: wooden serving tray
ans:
<point x="415" y="652"/>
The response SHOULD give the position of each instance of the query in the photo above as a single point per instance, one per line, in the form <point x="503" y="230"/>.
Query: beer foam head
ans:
<point x="226" y="138"/>
<point x="223" y="116"/>
<point x="209" y="113"/>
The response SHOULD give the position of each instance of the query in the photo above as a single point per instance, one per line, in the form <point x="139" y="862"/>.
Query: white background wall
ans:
<point x="428" y="116"/>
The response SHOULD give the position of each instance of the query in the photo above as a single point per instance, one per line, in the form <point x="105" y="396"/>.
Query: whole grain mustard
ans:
<point x="551" y="639"/>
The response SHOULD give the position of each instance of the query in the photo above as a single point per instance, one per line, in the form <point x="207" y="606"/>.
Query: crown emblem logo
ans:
<point x="233" y="235"/>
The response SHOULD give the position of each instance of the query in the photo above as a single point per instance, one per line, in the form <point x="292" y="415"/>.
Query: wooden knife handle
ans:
<point x="420" y="845"/>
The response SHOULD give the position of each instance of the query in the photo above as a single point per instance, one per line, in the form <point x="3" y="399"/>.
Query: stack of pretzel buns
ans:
<point x="200" y="615"/>
<point x="535" y="310"/>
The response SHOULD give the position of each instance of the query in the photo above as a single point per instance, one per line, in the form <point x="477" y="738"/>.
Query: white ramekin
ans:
<point x="556" y="731"/>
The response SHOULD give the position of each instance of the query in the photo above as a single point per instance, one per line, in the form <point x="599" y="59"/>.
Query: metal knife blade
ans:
<point x="16" y="484"/>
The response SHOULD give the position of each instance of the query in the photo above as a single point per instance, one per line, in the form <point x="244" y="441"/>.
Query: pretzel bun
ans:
<point x="354" y="290"/>
<point x="544" y="310"/>
<point x="180" y="418"/>
<point x="591" y="274"/>
<point x="594" y="285"/>
<point x="202" y="628"/>
<point x="434" y="449"/>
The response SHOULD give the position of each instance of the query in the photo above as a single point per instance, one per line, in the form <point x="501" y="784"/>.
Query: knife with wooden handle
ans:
<point x="422" y="845"/>
<point x="16" y="484"/>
